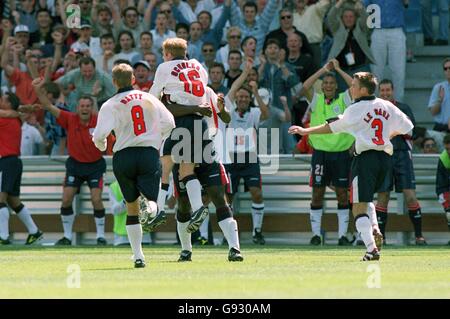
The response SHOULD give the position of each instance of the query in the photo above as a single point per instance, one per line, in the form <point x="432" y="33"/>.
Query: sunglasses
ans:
<point x="166" y="11"/>
<point x="235" y="36"/>
<point x="286" y="17"/>
<point x="429" y="145"/>
<point x="208" y="50"/>
<point x="446" y="68"/>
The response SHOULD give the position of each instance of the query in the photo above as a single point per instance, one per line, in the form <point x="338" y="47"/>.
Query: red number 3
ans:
<point x="137" y="114"/>
<point x="377" y="124"/>
<point x="193" y="85"/>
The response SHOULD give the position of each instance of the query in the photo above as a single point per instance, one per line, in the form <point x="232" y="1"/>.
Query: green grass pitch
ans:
<point x="267" y="272"/>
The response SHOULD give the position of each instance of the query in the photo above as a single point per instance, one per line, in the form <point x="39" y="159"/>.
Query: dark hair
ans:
<point x="245" y="40"/>
<point x="272" y="41"/>
<point x="194" y="22"/>
<point x="246" y="88"/>
<point x="146" y="32"/>
<point x="43" y="10"/>
<point x="419" y="132"/>
<point x="387" y="81"/>
<point x="13" y="100"/>
<point x="208" y="43"/>
<point x="181" y="25"/>
<point x="120" y="61"/>
<point x="87" y="97"/>
<point x="206" y="12"/>
<point x="132" y="8"/>
<point x="107" y="36"/>
<point x="329" y="75"/>
<point x="53" y="89"/>
<point x="426" y="139"/>
<point x="446" y="60"/>
<point x="366" y="80"/>
<point x="234" y="52"/>
<point x="133" y="44"/>
<point x="250" y="4"/>
<point x="447" y="139"/>
<point x="218" y="65"/>
<point x="87" y="60"/>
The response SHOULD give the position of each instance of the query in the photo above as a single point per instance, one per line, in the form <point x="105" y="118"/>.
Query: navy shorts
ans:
<point x="401" y="175"/>
<point x="77" y="173"/>
<point x="137" y="170"/>
<point x="189" y="141"/>
<point x="330" y="168"/>
<point x="10" y="175"/>
<point x="213" y="174"/>
<point x="368" y="172"/>
<point x="249" y="172"/>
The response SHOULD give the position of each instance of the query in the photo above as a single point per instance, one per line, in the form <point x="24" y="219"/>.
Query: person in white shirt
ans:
<point x="31" y="140"/>
<point x="140" y="122"/>
<point x="373" y="122"/>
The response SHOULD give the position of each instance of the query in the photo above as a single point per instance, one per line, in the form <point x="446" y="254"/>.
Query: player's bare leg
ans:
<point x="194" y="191"/>
<point x="364" y="227"/>
<point x="134" y="231"/>
<point x="382" y="211"/>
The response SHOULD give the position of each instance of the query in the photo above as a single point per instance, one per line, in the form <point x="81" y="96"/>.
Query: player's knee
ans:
<point x="66" y="211"/>
<point x="256" y="194"/>
<point x="17" y="209"/>
<point x="383" y="200"/>
<point x="223" y="213"/>
<point x="99" y="213"/>
<point x="410" y="197"/>
<point x="183" y="216"/>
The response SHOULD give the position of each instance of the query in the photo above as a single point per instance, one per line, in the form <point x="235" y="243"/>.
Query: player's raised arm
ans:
<point x="38" y="84"/>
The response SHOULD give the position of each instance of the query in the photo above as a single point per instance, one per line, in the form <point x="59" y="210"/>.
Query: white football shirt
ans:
<point x="185" y="81"/>
<point x="373" y="121"/>
<point x="137" y="118"/>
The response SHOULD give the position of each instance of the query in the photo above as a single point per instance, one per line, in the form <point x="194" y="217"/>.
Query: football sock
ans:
<point x="343" y="218"/>
<point x="194" y="190"/>
<point x="315" y="215"/>
<point x="382" y="217"/>
<point x="134" y="231"/>
<point x="24" y="215"/>
<point x="230" y="231"/>
<point x="372" y="216"/>
<point x="99" y="215"/>
<point x="204" y="228"/>
<point x="162" y="196"/>
<point x="185" y="237"/>
<point x="415" y="215"/>
<point x="4" y="222"/>
<point x="257" y="216"/>
<point x="364" y="227"/>
<point x="67" y="217"/>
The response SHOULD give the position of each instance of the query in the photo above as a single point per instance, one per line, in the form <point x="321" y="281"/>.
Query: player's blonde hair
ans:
<point x="175" y="46"/>
<point x="122" y="74"/>
<point x="367" y="80"/>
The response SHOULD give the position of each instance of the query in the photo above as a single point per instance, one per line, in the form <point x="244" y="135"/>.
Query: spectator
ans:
<point x="308" y="18"/>
<point x="141" y="75"/>
<point x="195" y="34"/>
<point x="421" y="133"/>
<point x="26" y="14"/>
<point x="86" y="80"/>
<point x="427" y="22"/>
<point x="86" y="42"/>
<point x="209" y="54"/>
<point x="389" y="43"/>
<point x="86" y="9"/>
<point x="161" y="31"/>
<point x="146" y="44"/>
<point x="101" y="20"/>
<point x="43" y="34"/>
<point x="439" y="103"/>
<point x="32" y="135"/>
<point x="182" y="31"/>
<point x="429" y="146"/>
<point x="191" y="8"/>
<point x="104" y="61"/>
<point x="125" y="48"/>
<point x="348" y="24"/>
<point x="234" y="62"/>
<point x="233" y="43"/>
<point x="152" y="61"/>
<point x="22" y="35"/>
<point x="248" y="23"/>
<point x="214" y="34"/>
<point x="248" y="46"/>
<point x="443" y="180"/>
<point x="216" y="77"/>
<point x="279" y="78"/>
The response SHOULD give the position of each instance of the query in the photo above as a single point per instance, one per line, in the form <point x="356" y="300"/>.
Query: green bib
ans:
<point x="445" y="159"/>
<point x="120" y="220"/>
<point x="334" y="142"/>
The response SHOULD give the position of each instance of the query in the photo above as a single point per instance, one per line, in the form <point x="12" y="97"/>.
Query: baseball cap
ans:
<point x="85" y="24"/>
<point x="21" y="28"/>
<point x="142" y="62"/>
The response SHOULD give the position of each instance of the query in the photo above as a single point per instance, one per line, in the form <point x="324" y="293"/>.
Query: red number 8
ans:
<point x="137" y="114"/>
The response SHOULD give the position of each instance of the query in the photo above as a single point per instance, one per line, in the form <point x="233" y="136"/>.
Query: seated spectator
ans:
<point x="348" y="25"/>
<point x="429" y="146"/>
<point x="287" y="28"/>
<point x="439" y="103"/>
<point x="427" y="22"/>
<point x="421" y="133"/>
<point x="308" y="18"/>
<point x="33" y="133"/>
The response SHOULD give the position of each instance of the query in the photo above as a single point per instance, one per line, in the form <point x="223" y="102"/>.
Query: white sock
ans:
<point x="204" y="228"/>
<point x="185" y="237"/>
<point x="162" y="195"/>
<point x="257" y="216"/>
<point x="100" y="226"/>
<point x="371" y="211"/>
<point x="4" y="223"/>
<point x="135" y="237"/>
<point x="343" y="218"/>
<point x="315" y="216"/>
<point x="67" y="221"/>
<point x="194" y="190"/>
<point x="230" y="231"/>
<point x="364" y="227"/>
<point x="25" y="216"/>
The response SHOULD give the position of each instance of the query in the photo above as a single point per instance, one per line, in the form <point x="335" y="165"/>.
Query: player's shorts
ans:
<point x="77" y="173"/>
<point x="368" y="171"/>
<point x="213" y="174"/>
<point x="330" y="168"/>
<point x="401" y="175"/>
<point x="189" y="141"/>
<point x="138" y="170"/>
<point x="249" y="171"/>
<point x="10" y="175"/>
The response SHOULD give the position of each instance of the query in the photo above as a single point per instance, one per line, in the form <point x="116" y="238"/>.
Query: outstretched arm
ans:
<point x="42" y="96"/>
<point x="321" y="129"/>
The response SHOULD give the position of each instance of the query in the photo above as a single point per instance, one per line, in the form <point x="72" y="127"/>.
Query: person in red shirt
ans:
<point x="141" y="74"/>
<point x="11" y="171"/>
<point x="85" y="162"/>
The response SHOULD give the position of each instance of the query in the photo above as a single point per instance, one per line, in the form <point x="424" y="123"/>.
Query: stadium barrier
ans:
<point x="286" y="194"/>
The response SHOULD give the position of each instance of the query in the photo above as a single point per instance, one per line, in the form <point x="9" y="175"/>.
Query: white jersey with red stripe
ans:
<point x="185" y="81"/>
<point x="373" y="122"/>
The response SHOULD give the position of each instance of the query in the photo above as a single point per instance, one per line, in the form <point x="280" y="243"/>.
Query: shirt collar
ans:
<point x="365" y="98"/>
<point x="124" y="89"/>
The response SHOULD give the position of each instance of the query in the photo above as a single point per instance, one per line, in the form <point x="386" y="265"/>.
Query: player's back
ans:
<point x="184" y="81"/>
<point x="138" y="120"/>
